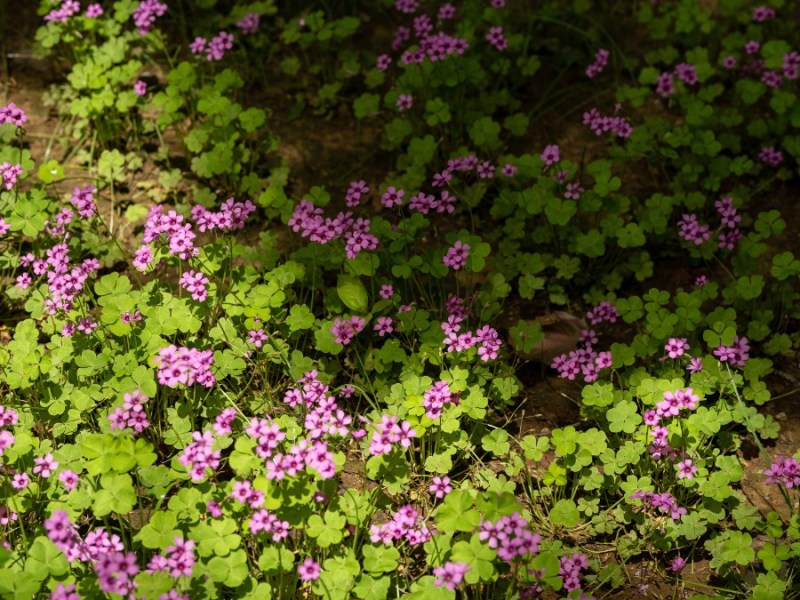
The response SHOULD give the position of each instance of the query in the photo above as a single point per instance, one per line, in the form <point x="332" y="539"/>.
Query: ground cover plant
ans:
<point x="409" y="299"/>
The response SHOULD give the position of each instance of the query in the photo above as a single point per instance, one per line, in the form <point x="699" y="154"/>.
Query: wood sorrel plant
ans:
<point x="260" y="380"/>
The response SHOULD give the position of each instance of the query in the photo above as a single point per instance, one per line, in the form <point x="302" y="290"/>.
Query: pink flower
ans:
<point x="456" y="256"/>
<point x="44" y="466"/>
<point x="308" y="570"/>
<point x="140" y="87"/>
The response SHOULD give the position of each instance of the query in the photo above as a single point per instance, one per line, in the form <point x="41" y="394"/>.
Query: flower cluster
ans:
<point x="214" y="49"/>
<point x="600" y="62"/>
<point x="354" y="193"/>
<point x="763" y="13"/>
<point x="62" y="14"/>
<point x="388" y="432"/>
<point x="691" y="230"/>
<point x="9" y="173"/>
<point x="436" y="398"/>
<point x="511" y="537"/>
<point x="83" y="200"/>
<point x="600" y="123"/>
<point x="195" y="283"/>
<point x="177" y="560"/>
<point x="770" y="155"/>
<point x="736" y="354"/>
<point x="730" y="219"/>
<point x="131" y="415"/>
<point x="8" y="418"/>
<point x="116" y="571"/>
<point x="344" y="330"/>
<point x="496" y="38"/>
<point x="310" y="221"/>
<point x="232" y="215"/>
<point x="249" y="23"/>
<point x="570" y="570"/>
<point x="199" y="455"/>
<point x="146" y="14"/>
<point x="185" y="366"/>
<point x="665" y="503"/>
<point x="676" y="347"/>
<point x="450" y="575"/>
<point x="784" y="471"/>
<point x="264" y="521"/>
<point x="406" y="524"/>
<point x="304" y="454"/>
<point x="456" y="256"/>
<point x="12" y="114"/>
<point x="585" y="360"/>
<point x="179" y="237"/>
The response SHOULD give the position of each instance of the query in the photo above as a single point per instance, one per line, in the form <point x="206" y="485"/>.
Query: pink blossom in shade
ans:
<point x="140" y="87"/>
<point x="383" y="62"/>
<point x="5" y="227"/>
<point x="691" y="230"/>
<point x="676" y="347"/>
<point x="146" y="14"/>
<point x="509" y="170"/>
<point x="791" y="65"/>
<point x="604" y="312"/>
<point x="551" y="155"/>
<point x="354" y="193"/>
<point x="496" y="38"/>
<point x="9" y="173"/>
<point x="83" y="200"/>
<point x="20" y="481"/>
<point x="24" y="281"/>
<point x="44" y="465"/>
<point x="729" y="62"/>
<point x="404" y="102"/>
<point x="763" y="13"/>
<point x="392" y="197"/>
<point x="686" y="470"/>
<point x="769" y="155"/>
<point x="665" y="86"/>
<point x="93" y="11"/>
<point x="498" y="3"/>
<point x="784" y="471"/>
<point x="450" y="575"/>
<point x="456" y="256"/>
<point x="198" y="45"/>
<point x="677" y="564"/>
<point x="570" y="570"/>
<point x="249" y="24"/>
<point x="736" y="354"/>
<point x="687" y="73"/>
<point x="752" y="47"/>
<point x="772" y="79"/>
<point x="195" y="283"/>
<point x="386" y="291"/>
<point x="308" y="570"/>
<point x="68" y="330"/>
<point x="600" y="124"/>
<point x="573" y="191"/>
<point x="344" y="330"/>
<point x="12" y="114"/>
<point x="446" y="12"/>
<point x="214" y="509"/>
<point x="384" y="326"/>
<point x="600" y="62"/>
<point x="69" y="479"/>
<point x="440" y="487"/>
<point x="218" y="46"/>
<point x="485" y="170"/>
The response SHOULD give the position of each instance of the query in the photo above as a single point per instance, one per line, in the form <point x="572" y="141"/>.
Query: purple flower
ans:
<point x="600" y="61"/>
<point x="249" y="23"/>
<point x="551" y="155"/>
<point x="450" y="575"/>
<point x="195" y="283"/>
<point x="686" y="469"/>
<point x="676" y="564"/>
<point x="496" y="38"/>
<point x="384" y="326"/>
<point x="146" y="13"/>
<point x="676" y="347"/>
<point x="44" y="465"/>
<point x="404" y="102"/>
<point x="456" y="256"/>
<point x="140" y="87"/>
<point x="440" y="487"/>
<point x="12" y="114"/>
<point x="344" y="330"/>
<point x="784" y="471"/>
<point x="308" y="570"/>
